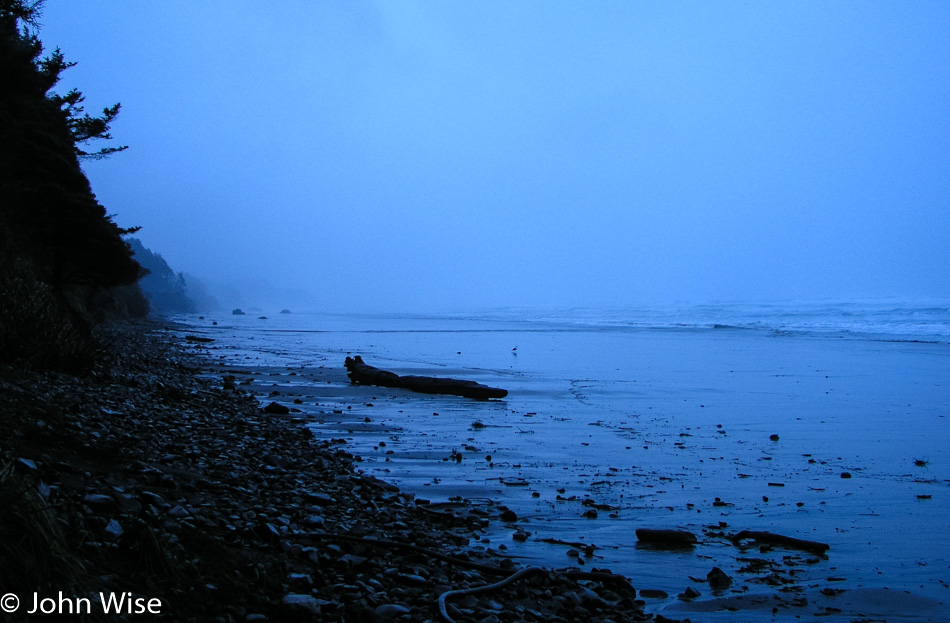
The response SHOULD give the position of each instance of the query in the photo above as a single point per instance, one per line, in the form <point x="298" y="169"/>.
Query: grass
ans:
<point x="32" y="544"/>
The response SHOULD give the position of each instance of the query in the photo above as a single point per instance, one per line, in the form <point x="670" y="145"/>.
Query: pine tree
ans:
<point x="49" y="213"/>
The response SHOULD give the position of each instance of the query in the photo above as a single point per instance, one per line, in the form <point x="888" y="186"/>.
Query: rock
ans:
<point x="650" y="593"/>
<point x="297" y="607"/>
<point x="718" y="580"/>
<point x="113" y="529"/>
<point x="178" y="512"/>
<point x="318" y="498"/>
<point x="411" y="579"/>
<point x="666" y="538"/>
<point x="238" y="312"/>
<point x="98" y="500"/>
<point x="152" y="498"/>
<point x="128" y="504"/>
<point x="689" y="593"/>
<point x="276" y="409"/>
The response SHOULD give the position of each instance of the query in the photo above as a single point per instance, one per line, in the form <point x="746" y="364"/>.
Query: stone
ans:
<point x="178" y="512"/>
<point x="113" y="529"/>
<point x="318" y="498"/>
<point x="297" y="607"/>
<point x="718" y="580"/>
<point x="689" y="593"/>
<point x="99" y="500"/>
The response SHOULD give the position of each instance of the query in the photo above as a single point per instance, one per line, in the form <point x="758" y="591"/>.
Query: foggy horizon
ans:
<point x="376" y="157"/>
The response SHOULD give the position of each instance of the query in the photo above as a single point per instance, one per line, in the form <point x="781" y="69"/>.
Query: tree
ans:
<point x="49" y="213"/>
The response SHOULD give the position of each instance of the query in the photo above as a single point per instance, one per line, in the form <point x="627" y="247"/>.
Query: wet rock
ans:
<point x="666" y="538"/>
<point x="649" y="593"/>
<point x="718" y="580"/>
<point x="276" y="409"/>
<point x="689" y="593"/>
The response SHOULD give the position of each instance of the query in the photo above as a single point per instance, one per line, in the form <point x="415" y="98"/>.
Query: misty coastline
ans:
<point x="646" y="428"/>
<point x="690" y="258"/>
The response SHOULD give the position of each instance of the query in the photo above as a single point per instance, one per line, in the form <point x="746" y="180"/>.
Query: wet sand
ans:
<point x="661" y="429"/>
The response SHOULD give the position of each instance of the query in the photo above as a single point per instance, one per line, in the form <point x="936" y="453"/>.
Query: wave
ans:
<point x="893" y="320"/>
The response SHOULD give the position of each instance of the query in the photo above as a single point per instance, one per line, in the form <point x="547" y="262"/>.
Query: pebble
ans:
<point x="299" y="607"/>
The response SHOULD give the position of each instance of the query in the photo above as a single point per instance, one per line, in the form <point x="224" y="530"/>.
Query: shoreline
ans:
<point x="421" y="431"/>
<point x="155" y="477"/>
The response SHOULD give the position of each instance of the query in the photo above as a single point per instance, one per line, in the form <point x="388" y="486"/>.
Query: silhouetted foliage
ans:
<point x="54" y="234"/>
<point x="166" y="290"/>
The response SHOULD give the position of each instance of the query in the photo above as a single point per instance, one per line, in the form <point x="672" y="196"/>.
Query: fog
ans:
<point x="410" y="156"/>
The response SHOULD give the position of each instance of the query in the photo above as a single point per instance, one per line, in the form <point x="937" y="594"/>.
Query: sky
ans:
<point x="412" y="156"/>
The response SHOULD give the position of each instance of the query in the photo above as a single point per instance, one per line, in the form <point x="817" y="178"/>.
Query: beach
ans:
<point x="827" y="435"/>
<point x="153" y="485"/>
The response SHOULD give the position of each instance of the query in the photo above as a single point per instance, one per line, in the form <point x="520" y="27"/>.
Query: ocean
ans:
<point x="820" y="421"/>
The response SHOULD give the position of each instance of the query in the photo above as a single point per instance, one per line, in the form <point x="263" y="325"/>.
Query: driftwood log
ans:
<point x="779" y="540"/>
<point x="364" y="374"/>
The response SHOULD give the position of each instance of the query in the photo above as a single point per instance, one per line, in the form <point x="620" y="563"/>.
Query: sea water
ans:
<point x="824" y="421"/>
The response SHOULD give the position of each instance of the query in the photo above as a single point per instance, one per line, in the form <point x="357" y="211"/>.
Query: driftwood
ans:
<point x="769" y="538"/>
<point x="670" y="539"/>
<point x="364" y="374"/>
<point x="199" y="339"/>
